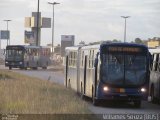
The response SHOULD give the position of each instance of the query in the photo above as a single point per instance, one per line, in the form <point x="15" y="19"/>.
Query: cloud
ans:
<point x="89" y="20"/>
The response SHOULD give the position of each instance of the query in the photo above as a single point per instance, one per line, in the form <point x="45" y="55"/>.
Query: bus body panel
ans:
<point x="72" y="70"/>
<point x="90" y="75"/>
<point x="154" y="87"/>
<point x="155" y="81"/>
<point x="118" y="93"/>
<point x="87" y="76"/>
<point x="31" y="56"/>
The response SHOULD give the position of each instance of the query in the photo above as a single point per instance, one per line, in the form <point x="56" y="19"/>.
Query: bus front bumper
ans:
<point x="14" y="64"/>
<point x="120" y="97"/>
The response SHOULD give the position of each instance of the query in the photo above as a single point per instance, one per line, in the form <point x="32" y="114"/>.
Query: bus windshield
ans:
<point x="124" y="69"/>
<point x="14" y="54"/>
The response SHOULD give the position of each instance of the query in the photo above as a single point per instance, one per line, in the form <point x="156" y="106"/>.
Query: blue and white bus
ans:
<point x="20" y="56"/>
<point x="109" y="71"/>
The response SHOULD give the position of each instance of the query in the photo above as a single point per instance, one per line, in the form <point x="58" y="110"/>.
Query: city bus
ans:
<point x="154" y="86"/>
<point x="23" y="57"/>
<point x="108" y="71"/>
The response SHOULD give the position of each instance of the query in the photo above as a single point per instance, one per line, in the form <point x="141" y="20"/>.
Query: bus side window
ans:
<point x="29" y="51"/>
<point x="48" y="52"/>
<point x="82" y="59"/>
<point x="89" y="60"/>
<point x="69" y="59"/>
<point x="154" y="62"/>
<point x="158" y="62"/>
<point x="156" y="57"/>
<point x="150" y="61"/>
<point x="96" y="60"/>
<point x="73" y="59"/>
<point x="93" y="59"/>
<point x="153" y="66"/>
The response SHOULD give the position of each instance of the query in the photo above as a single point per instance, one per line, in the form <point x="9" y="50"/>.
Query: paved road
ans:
<point x="58" y="77"/>
<point x="2" y="67"/>
<point x="48" y="74"/>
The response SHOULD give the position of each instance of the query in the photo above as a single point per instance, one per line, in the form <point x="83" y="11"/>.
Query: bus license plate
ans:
<point x="123" y="95"/>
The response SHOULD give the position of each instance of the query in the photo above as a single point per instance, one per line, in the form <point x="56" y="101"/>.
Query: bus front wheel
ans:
<point x="152" y="95"/>
<point x="137" y="103"/>
<point x="10" y="68"/>
<point x="44" y="68"/>
<point x="25" y="68"/>
<point x="81" y="94"/>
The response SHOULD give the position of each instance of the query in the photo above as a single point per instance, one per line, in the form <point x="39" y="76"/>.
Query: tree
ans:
<point x="82" y="43"/>
<point x="115" y="40"/>
<point x="138" y="41"/>
<point x="95" y="43"/>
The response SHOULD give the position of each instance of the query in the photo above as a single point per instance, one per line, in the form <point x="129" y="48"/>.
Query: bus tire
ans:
<point x="25" y="68"/>
<point x="81" y="94"/>
<point x="69" y="84"/>
<point x="137" y="103"/>
<point x="10" y="68"/>
<point x="34" y="68"/>
<point x="94" y="100"/>
<point x="44" y="68"/>
<point x="21" y="68"/>
<point x="152" y="94"/>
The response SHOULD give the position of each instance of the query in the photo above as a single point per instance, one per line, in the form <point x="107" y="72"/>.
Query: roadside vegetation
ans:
<point x="21" y="94"/>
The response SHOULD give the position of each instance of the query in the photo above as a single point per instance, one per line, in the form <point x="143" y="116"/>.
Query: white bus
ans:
<point x="154" y="87"/>
<point x="23" y="57"/>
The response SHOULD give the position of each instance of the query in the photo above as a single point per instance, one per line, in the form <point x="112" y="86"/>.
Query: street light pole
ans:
<point x="125" y="17"/>
<point x="54" y="3"/>
<point x="8" y="40"/>
<point x="37" y="38"/>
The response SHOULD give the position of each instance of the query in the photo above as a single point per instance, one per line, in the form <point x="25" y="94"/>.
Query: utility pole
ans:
<point x="37" y="39"/>
<point x="53" y="3"/>
<point x="125" y="17"/>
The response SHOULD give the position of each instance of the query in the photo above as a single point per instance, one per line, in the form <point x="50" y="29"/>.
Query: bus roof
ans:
<point x="91" y="47"/>
<point x="72" y="48"/>
<point x="97" y="46"/>
<point x="26" y="46"/>
<point x="124" y="44"/>
<point x="14" y="46"/>
<point x="156" y="50"/>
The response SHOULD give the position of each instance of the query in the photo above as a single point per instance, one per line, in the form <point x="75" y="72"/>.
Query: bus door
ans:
<point x="159" y="87"/>
<point x="85" y="71"/>
<point x="96" y="73"/>
<point x="66" y="70"/>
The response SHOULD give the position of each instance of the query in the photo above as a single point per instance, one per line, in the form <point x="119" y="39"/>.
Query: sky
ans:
<point x="88" y="20"/>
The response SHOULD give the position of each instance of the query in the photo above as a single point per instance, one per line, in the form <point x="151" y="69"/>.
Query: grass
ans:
<point x="21" y="94"/>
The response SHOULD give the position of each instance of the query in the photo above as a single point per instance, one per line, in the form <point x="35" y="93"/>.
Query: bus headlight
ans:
<point x="20" y="63"/>
<point x="143" y="90"/>
<point x="6" y="62"/>
<point x="105" y="88"/>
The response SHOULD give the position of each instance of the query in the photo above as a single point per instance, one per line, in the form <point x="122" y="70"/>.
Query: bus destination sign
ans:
<point x="124" y="49"/>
